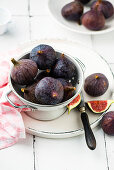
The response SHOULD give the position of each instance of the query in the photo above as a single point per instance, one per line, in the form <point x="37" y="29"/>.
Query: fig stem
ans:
<point x="40" y="52"/>
<point x="54" y="94"/>
<point x="62" y="55"/>
<point x="14" y="61"/>
<point x="96" y="76"/>
<point x="69" y="88"/>
<point x="48" y="70"/>
<point x="24" y="90"/>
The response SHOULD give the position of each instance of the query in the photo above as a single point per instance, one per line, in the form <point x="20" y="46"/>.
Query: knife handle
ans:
<point x="89" y="136"/>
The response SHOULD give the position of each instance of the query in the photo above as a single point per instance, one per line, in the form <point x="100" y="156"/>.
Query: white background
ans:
<point x="31" y="20"/>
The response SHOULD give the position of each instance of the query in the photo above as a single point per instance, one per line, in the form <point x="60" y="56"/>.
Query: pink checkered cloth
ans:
<point x="11" y="123"/>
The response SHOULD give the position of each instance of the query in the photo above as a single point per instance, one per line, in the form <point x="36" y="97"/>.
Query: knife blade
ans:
<point x="89" y="136"/>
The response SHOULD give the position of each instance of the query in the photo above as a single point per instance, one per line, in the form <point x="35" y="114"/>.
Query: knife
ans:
<point x="89" y="136"/>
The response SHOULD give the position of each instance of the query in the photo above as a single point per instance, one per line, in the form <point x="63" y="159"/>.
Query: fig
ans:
<point x="24" y="71"/>
<point x="74" y="103"/>
<point x="107" y="123"/>
<point x="44" y="56"/>
<point x="105" y="7"/>
<point x="93" y="20"/>
<point x="41" y="75"/>
<point x="96" y="84"/>
<point x="69" y="90"/>
<point x="84" y="1"/>
<point x="99" y="106"/>
<point x="49" y="91"/>
<point x="64" y="68"/>
<point x="29" y="93"/>
<point x="72" y="11"/>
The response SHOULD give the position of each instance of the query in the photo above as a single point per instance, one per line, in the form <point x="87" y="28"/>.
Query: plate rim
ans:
<point x="66" y="134"/>
<point x="77" y="31"/>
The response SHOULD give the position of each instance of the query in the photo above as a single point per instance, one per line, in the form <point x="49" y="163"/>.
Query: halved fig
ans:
<point x="74" y="103"/>
<point x="99" y="106"/>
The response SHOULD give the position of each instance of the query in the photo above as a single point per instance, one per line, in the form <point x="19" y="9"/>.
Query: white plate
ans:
<point x="69" y="125"/>
<point x="55" y="7"/>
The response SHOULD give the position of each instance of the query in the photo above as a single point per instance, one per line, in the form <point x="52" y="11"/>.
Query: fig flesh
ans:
<point x="93" y="20"/>
<point x="49" y="91"/>
<point x="96" y="84"/>
<point x="107" y="123"/>
<point x="105" y="7"/>
<point x="99" y="106"/>
<point x="64" y="68"/>
<point x="69" y="90"/>
<point x="74" y="103"/>
<point x="72" y="11"/>
<point x="44" y="56"/>
<point x="24" y="71"/>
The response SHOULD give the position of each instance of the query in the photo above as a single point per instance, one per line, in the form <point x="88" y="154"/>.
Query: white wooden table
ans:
<point x="31" y="20"/>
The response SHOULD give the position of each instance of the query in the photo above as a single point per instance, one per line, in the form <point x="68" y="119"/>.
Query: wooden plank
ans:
<point x="38" y="7"/>
<point x="17" y="33"/>
<point x="45" y="27"/>
<point x="19" y="156"/>
<point x="104" y="45"/>
<point x="16" y="7"/>
<point x="70" y="154"/>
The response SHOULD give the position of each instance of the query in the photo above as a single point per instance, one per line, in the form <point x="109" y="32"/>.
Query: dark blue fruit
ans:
<point x="72" y="11"/>
<point x="49" y="91"/>
<point x="44" y="56"/>
<point x="93" y="20"/>
<point x="29" y="93"/>
<point x="107" y="123"/>
<point x="96" y="84"/>
<point x="24" y="71"/>
<point x="83" y="1"/>
<point x="69" y="90"/>
<point x="41" y="75"/>
<point x="64" y="68"/>
<point x="105" y="7"/>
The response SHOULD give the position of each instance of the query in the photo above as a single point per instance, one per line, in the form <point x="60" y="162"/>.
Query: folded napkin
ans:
<point x="11" y="123"/>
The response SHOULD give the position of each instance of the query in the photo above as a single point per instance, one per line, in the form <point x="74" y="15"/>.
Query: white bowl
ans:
<point x="55" y="7"/>
<point x="5" y="19"/>
<point x="46" y="112"/>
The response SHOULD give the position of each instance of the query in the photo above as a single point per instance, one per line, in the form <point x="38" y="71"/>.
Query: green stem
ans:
<point x="14" y="61"/>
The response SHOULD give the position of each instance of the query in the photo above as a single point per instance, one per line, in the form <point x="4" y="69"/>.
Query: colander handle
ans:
<point x="16" y="106"/>
<point x="81" y="64"/>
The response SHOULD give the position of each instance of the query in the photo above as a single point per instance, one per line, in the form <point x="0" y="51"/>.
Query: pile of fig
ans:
<point x="45" y="77"/>
<point x="94" y="19"/>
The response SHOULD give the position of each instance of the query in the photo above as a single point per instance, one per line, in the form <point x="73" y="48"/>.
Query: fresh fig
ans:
<point x="72" y="11"/>
<point x="41" y="75"/>
<point x="64" y="68"/>
<point x="74" y="103"/>
<point x="93" y="20"/>
<point x="24" y="71"/>
<point x="107" y="123"/>
<point x="105" y="7"/>
<point x="49" y="91"/>
<point x="96" y="84"/>
<point x="84" y="1"/>
<point x="69" y="90"/>
<point x="99" y="106"/>
<point x="29" y="93"/>
<point x="44" y="56"/>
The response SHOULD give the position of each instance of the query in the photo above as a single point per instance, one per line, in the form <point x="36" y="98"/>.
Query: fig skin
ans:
<point x="64" y="68"/>
<point x="96" y="84"/>
<point x="69" y="90"/>
<point x="107" y="123"/>
<point x="41" y="75"/>
<point x="29" y="93"/>
<point x="105" y="7"/>
<point x="44" y="56"/>
<point x="72" y="11"/>
<point x="24" y="71"/>
<point x="93" y="20"/>
<point x="49" y="91"/>
<point x="84" y="1"/>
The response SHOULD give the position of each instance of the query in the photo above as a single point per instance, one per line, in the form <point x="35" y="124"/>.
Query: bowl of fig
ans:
<point x="46" y="81"/>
